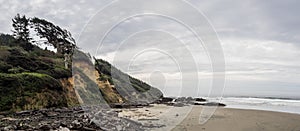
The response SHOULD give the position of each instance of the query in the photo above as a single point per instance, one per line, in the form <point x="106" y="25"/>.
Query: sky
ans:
<point x="260" y="42"/>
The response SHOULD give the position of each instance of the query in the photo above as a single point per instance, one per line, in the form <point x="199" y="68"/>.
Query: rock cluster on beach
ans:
<point x="68" y="119"/>
<point x="88" y="118"/>
<point x="184" y="101"/>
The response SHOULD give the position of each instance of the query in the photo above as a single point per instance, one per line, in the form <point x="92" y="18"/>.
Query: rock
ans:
<point x="26" y="112"/>
<point x="180" y="99"/>
<point x="76" y="125"/>
<point x="24" y="126"/>
<point x="166" y="99"/>
<point x="50" y="114"/>
<point x="118" y="111"/>
<point x="78" y="112"/>
<point x="210" y="104"/>
<point x="66" y="119"/>
<point x="63" y="129"/>
<point x="200" y="99"/>
<point x="8" y="128"/>
<point x="45" y="127"/>
<point x="119" y="105"/>
<point x="119" y="127"/>
<point x="214" y="104"/>
<point x="63" y="124"/>
<point x="179" y="104"/>
<point x="221" y="104"/>
<point x="88" y="129"/>
<point x="163" y="100"/>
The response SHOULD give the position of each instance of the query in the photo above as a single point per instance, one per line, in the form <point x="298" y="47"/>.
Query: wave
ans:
<point x="269" y="104"/>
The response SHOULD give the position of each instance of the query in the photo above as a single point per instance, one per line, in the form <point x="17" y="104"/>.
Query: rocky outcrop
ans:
<point x="185" y="101"/>
<point x="77" y="118"/>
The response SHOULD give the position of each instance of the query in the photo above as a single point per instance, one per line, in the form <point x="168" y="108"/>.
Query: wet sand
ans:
<point x="225" y="119"/>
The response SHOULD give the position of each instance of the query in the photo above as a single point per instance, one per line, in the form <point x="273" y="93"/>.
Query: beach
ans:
<point x="227" y="119"/>
<point x="224" y="119"/>
<point x="158" y="117"/>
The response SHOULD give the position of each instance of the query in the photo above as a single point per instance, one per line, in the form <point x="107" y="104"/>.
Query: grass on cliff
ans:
<point x="30" y="79"/>
<point x="21" y="91"/>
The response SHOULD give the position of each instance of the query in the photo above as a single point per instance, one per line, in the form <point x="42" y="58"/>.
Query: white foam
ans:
<point x="279" y="105"/>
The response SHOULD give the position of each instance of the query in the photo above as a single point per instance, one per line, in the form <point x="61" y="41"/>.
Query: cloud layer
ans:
<point x="261" y="42"/>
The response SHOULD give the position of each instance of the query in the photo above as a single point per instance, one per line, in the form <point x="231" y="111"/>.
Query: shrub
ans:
<point x="15" y="87"/>
<point x="15" y="70"/>
<point x="17" y="51"/>
<point x="57" y="72"/>
<point x="28" y="63"/>
<point x="4" y="53"/>
<point x="7" y="40"/>
<point x="4" y="67"/>
<point x="37" y="51"/>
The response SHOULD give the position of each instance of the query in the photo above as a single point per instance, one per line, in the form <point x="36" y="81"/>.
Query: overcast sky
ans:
<point x="260" y="40"/>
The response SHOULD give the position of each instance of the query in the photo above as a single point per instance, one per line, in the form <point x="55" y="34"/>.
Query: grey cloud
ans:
<point x="276" y="20"/>
<point x="245" y="27"/>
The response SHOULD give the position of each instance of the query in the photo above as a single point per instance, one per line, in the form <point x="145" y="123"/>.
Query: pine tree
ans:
<point x="59" y="38"/>
<point x="21" y="31"/>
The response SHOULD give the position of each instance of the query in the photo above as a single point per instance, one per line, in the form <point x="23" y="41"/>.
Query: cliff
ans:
<point x="37" y="79"/>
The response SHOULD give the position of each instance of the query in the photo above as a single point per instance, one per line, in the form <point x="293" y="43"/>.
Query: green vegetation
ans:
<point x="31" y="77"/>
<point x="19" y="90"/>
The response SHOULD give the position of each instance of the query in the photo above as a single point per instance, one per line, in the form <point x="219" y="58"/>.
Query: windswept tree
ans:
<point x="21" y="31"/>
<point x="57" y="37"/>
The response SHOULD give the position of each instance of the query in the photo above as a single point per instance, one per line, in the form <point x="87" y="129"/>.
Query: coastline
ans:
<point x="154" y="117"/>
<point x="228" y="119"/>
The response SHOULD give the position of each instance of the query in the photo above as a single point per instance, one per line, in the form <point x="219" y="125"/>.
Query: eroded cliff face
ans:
<point x="119" y="88"/>
<point x="132" y="90"/>
<point x="69" y="91"/>
<point x="109" y="91"/>
<point x="85" y="75"/>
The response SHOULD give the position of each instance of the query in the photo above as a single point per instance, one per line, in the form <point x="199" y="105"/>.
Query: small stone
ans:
<point x="8" y="128"/>
<point x="63" y="129"/>
<point x="88" y="129"/>
<point x="119" y="127"/>
<point x="45" y="127"/>
<point x="76" y="124"/>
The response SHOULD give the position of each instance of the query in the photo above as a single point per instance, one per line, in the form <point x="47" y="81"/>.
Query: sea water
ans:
<point x="268" y="104"/>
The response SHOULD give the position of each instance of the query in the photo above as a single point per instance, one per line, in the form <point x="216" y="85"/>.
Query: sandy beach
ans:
<point x="224" y="119"/>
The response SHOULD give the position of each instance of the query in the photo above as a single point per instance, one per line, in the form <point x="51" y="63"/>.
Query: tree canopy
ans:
<point x="21" y="31"/>
<point x="57" y="37"/>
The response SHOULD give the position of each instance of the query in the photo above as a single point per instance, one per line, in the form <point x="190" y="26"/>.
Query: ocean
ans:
<point x="269" y="104"/>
